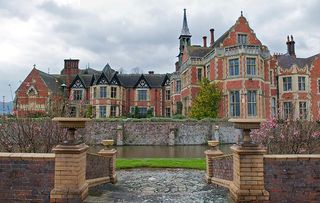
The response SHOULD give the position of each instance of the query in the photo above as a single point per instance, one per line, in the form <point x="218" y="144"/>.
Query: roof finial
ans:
<point x="34" y="65"/>
<point x="185" y="29"/>
<point x="241" y="13"/>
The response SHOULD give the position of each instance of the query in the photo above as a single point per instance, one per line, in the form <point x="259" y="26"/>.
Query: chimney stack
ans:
<point x="151" y="72"/>
<point x="212" y="37"/>
<point x="290" y="46"/>
<point x="204" y="41"/>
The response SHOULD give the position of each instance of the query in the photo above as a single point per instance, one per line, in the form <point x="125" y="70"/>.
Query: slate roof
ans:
<point x="286" y="61"/>
<point x="51" y="82"/>
<point x="197" y="51"/>
<point x="185" y="29"/>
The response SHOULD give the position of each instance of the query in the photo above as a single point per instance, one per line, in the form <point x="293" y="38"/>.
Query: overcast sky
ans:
<point x="136" y="33"/>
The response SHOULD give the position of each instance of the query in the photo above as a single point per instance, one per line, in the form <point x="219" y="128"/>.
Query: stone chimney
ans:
<point x="151" y="72"/>
<point x="204" y="41"/>
<point x="212" y="37"/>
<point x="290" y="46"/>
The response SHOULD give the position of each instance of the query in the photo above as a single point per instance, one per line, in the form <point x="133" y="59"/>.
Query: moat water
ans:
<point x="182" y="151"/>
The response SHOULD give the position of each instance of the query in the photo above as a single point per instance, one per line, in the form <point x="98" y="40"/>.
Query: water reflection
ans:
<point x="185" y="151"/>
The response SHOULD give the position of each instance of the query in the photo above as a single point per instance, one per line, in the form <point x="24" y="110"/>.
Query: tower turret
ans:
<point x="185" y="36"/>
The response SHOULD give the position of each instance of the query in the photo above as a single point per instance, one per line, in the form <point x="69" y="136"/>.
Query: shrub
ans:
<point x="288" y="137"/>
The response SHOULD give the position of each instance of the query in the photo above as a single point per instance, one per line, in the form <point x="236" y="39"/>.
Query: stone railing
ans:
<point x="26" y="177"/>
<point x="292" y="178"/>
<point x="245" y="49"/>
<point x="100" y="167"/>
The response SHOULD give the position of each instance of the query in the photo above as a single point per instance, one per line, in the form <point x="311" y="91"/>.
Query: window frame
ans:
<point x="303" y="115"/>
<point x="77" y="94"/>
<point x="251" y="67"/>
<point x="113" y="91"/>
<point x="287" y="109"/>
<point x="168" y="96"/>
<point x="242" y="38"/>
<point x="233" y="66"/>
<point x="199" y="74"/>
<point x="103" y="96"/>
<point x="252" y="103"/>
<point x="113" y="111"/>
<point x="178" y="87"/>
<point x="286" y="84"/>
<point x="101" y="115"/>
<point x="141" y="97"/>
<point x="302" y="83"/>
<point x="168" y="112"/>
<point x="235" y="110"/>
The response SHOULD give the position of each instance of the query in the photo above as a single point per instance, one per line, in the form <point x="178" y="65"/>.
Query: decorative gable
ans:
<point x="167" y="82"/>
<point x="143" y="84"/>
<point x="78" y="84"/>
<point x="102" y="80"/>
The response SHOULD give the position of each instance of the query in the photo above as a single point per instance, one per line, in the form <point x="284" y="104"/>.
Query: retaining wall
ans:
<point x="160" y="132"/>
<point x="97" y="166"/>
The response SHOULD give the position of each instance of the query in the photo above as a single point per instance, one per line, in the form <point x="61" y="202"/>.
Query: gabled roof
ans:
<point x="108" y="71"/>
<point x="286" y="61"/>
<point x="102" y="76"/>
<point x="77" y="78"/>
<point x="140" y="79"/>
<point x="154" y="80"/>
<point x="51" y="82"/>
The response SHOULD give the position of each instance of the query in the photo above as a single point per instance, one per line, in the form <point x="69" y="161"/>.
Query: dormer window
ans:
<point x="242" y="39"/>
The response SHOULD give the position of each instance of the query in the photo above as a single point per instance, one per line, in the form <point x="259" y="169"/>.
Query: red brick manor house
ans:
<point x="255" y="84"/>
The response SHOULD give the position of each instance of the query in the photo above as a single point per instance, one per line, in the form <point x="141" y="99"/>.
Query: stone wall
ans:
<point x="26" y="177"/>
<point x="223" y="167"/>
<point x="144" y="132"/>
<point x="292" y="178"/>
<point x="97" y="166"/>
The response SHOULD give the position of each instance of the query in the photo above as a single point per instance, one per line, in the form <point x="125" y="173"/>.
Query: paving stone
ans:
<point x="159" y="185"/>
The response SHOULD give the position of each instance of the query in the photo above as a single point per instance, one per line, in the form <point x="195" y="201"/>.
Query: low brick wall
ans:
<point x="292" y="178"/>
<point x="97" y="166"/>
<point x="26" y="177"/>
<point x="222" y="167"/>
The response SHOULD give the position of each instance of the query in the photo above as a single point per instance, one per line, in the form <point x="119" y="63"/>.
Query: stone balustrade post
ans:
<point x="112" y="165"/>
<point x="70" y="174"/>
<point x="210" y="154"/>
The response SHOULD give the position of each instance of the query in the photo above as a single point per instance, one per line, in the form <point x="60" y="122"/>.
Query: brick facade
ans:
<point x="253" y="82"/>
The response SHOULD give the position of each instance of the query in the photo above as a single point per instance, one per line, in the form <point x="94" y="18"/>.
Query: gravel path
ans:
<point x="159" y="185"/>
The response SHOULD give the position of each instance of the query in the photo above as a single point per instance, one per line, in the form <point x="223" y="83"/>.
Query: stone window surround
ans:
<point x="254" y="102"/>
<point x="287" y="84"/>
<point x="75" y="96"/>
<point x="237" y="104"/>
<point x="228" y="69"/>
<point x="113" y="92"/>
<point x="305" y="109"/>
<point x="147" y="98"/>
<point x="305" y="86"/>
<point x="255" y="66"/>
<point x="242" y="38"/>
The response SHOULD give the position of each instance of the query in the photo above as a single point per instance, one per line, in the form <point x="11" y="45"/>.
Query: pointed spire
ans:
<point x="185" y="30"/>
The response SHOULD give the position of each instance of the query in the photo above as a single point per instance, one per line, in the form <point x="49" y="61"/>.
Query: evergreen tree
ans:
<point x="207" y="102"/>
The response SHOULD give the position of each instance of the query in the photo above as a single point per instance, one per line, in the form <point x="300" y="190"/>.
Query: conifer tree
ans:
<point x="207" y="102"/>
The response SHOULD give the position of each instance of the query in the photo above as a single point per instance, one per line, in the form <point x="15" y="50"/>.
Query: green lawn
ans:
<point x="193" y="163"/>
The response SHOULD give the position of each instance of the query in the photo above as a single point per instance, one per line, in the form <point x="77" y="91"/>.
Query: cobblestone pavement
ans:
<point x="159" y="185"/>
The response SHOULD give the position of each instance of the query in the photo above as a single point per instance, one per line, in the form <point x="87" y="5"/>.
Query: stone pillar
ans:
<point x="209" y="155"/>
<point x="172" y="136"/>
<point x="112" y="165"/>
<point x="70" y="174"/>
<point x="248" y="176"/>
<point x="120" y="135"/>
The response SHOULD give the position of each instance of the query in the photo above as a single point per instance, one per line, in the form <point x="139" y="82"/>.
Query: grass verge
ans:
<point x="193" y="163"/>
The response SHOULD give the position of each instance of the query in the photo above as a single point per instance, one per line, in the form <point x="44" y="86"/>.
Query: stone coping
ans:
<point x="27" y="156"/>
<point x="98" y="181"/>
<point x="292" y="156"/>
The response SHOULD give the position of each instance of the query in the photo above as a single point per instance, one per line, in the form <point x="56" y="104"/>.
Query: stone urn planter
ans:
<point x="107" y="143"/>
<point x="213" y="144"/>
<point x="72" y="124"/>
<point x="247" y="125"/>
